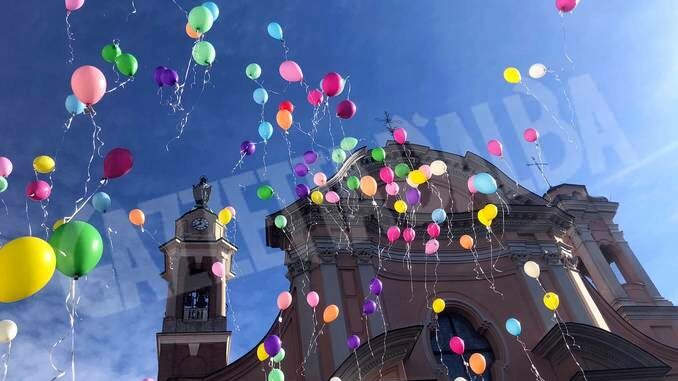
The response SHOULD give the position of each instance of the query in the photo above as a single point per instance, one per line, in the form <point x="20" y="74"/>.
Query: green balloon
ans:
<point x="348" y="143"/>
<point x="378" y="154"/>
<point x="201" y="19"/>
<point x="276" y="375"/>
<point x="280" y="356"/>
<point x="78" y="247"/>
<point x="338" y="155"/>
<point x="265" y="192"/>
<point x="253" y="71"/>
<point x="110" y="52"/>
<point x="353" y="182"/>
<point x="402" y="170"/>
<point x="3" y="184"/>
<point x="204" y="53"/>
<point x="127" y="64"/>
<point x="280" y="223"/>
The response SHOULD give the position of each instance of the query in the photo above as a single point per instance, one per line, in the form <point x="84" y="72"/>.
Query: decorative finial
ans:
<point x="201" y="193"/>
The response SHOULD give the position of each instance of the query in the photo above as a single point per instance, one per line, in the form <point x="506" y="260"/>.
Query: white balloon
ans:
<point x="532" y="269"/>
<point x="438" y="167"/>
<point x="537" y="71"/>
<point x="335" y="379"/>
<point x="460" y="379"/>
<point x="8" y="331"/>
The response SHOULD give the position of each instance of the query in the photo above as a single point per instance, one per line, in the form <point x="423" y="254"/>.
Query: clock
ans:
<point x="200" y="224"/>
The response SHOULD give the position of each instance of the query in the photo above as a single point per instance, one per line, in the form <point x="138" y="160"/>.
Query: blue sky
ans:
<point x="437" y="67"/>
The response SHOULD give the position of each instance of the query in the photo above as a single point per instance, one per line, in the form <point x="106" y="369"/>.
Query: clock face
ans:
<point x="200" y="224"/>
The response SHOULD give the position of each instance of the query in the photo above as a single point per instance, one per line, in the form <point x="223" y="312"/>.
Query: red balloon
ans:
<point x="38" y="190"/>
<point x="332" y="84"/>
<point x="118" y="162"/>
<point x="346" y="109"/>
<point x="286" y="105"/>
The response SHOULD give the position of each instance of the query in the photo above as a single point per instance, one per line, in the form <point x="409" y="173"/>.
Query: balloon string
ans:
<point x="45" y="214"/>
<point x="180" y="7"/>
<point x="357" y="364"/>
<point x="71" y="302"/>
<point x="437" y="328"/>
<point x="558" y="322"/>
<point x="553" y="116"/>
<point x="5" y="360"/>
<point x="133" y="11"/>
<point x="84" y="200"/>
<point x="533" y="368"/>
<point x="184" y="120"/>
<point x="564" y="34"/>
<point x="5" y="206"/>
<point x="570" y="107"/>
<point x="71" y="319"/>
<point x="121" y="85"/>
<point x="28" y="219"/>
<point x="383" y="322"/>
<point x="69" y="38"/>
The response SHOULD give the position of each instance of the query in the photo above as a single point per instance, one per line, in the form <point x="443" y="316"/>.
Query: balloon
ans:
<point x="332" y="84"/>
<point x="512" y="75"/>
<point x="376" y="287"/>
<point x="265" y="130"/>
<point x="157" y="75"/>
<point x="330" y="314"/>
<point x="253" y="71"/>
<point x="335" y="379"/>
<point x="439" y="216"/>
<point x="400" y="206"/>
<point x="433" y="230"/>
<point x="204" y="53"/>
<point x="275" y="30"/>
<point x="332" y="197"/>
<point x="532" y="269"/>
<point x="284" y="300"/>
<point x="276" y="375"/>
<point x="346" y="109"/>
<point x="5" y="166"/>
<point x="8" y="331"/>
<point x="317" y="197"/>
<point x="477" y="363"/>
<point x="310" y="157"/>
<point x="426" y="170"/>
<point x="460" y="379"/>
<point x="438" y="167"/>
<point x="315" y="97"/>
<point x="386" y="175"/>
<point x="348" y="143"/>
<point x="368" y="185"/>
<point x="438" y="305"/>
<point x="530" y="135"/>
<point x="338" y="155"/>
<point x="225" y="216"/>
<point x="286" y="105"/>
<point x="26" y="265"/>
<point x="232" y="210"/>
<point x="214" y="9"/>
<point x="537" y="71"/>
<point x="78" y="247"/>
<point x="492" y="211"/>
<point x="319" y="179"/>
<point x="74" y="106"/>
<point x="353" y="183"/>
<point x="353" y="342"/>
<point x="101" y="202"/>
<point x="284" y="119"/>
<point x="466" y="241"/>
<point x="400" y="135"/>
<point x="410" y="183"/>
<point x="392" y="189"/>
<point x="260" y="95"/>
<point x="192" y="33"/>
<point x="38" y="190"/>
<point x="3" y="184"/>
<point x="409" y="234"/>
<point x="58" y="223"/>
<point x="169" y="77"/>
<point x="369" y="307"/>
<point x="378" y="154"/>
<point x="484" y="183"/>
<point x="261" y="352"/>
<point x="280" y="356"/>
<point x="265" y="192"/>
<point x="402" y="170"/>
<point x="495" y="148"/>
<point x="44" y="164"/>
<point x="312" y="298"/>
<point x="457" y="345"/>
<point x="412" y="196"/>
<point x="290" y="71"/>
<point x="127" y="64"/>
<point x="566" y="6"/>
<point x="201" y="19"/>
<point x="88" y="84"/>
<point x="551" y="301"/>
<point x="513" y="326"/>
<point x="393" y="233"/>
<point x="484" y="218"/>
<point x="302" y="190"/>
<point x="431" y="247"/>
<point x="110" y="52"/>
<point x="469" y="184"/>
<point x="247" y="148"/>
<point x="417" y="177"/>
<point x="72" y="5"/>
<point x="137" y="217"/>
<point x="218" y="269"/>
<point x="118" y="163"/>
<point x="280" y="221"/>
<point x="272" y="344"/>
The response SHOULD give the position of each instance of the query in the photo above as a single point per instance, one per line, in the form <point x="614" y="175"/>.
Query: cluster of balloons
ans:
<point x="126" y="63"/>
<point x="536" y="71"/>
<point x="369" y="305"/>
<point x="226" y="215"/>
<point x="482" y="183"/>
<point x="6" y="168"/>
<point x="476" y="362"/>
<point x="164" y="76"/>
<point x="551" y="300"/>
<point x="487" y="214"/>
<point x="40" y="190"/>
<point x="200" y="21"/>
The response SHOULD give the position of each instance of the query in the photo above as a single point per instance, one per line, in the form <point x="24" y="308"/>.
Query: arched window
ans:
<point x="452" y="324"/>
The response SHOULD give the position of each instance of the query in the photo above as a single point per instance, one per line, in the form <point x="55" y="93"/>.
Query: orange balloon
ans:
<point x="466" y="241"/>
<point x="330" y="314"/>
<point x="284" y="119"/>
<point x="137" y="217"/>
<point x="368" y="185"/>
<point x="478" y="363"/>
<point x="192" y="33"/>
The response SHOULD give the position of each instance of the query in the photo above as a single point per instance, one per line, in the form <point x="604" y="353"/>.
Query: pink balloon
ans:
<point x="566" y="5"/>
<point x="433" y="230"/>
<point x="495" y="148"/>
<point x="38" y="190"/>
<point x="332" y="197"/>
<point x="88" y="84"/>
<point x="5" y="166"/>
<point x="531" y="135"/>
<point x="386" y="175"/>
<point x="393" y="233"/>
<point x="312" y="298"/>
<point x="431" y="247"/>
<point x="332" y="84"/>
<point x="319" y="179"/>
<point x="409" y="235"/>
<point x="392" y="189"/>
<point x="72" y="5"/>
<point x="427" y="170"/>
<point x="457" y="345"/>
<point x="290" y="71"/>
<point x="346" y="109"/>
<point x="400" y="135"/>
<point x="469" y="184"/>
<point x="284" y="300"/>
<point x="218" y="269"/>
<point x="118" y="162"/>
<point x="232" y="210"/>
<point x="147" y="379"/>
<point x="315" y="97"/>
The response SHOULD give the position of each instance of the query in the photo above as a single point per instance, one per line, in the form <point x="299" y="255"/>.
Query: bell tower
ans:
<point x="195" y="340"/>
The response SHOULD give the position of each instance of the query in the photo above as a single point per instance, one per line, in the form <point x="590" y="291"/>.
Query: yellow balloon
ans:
<point x="317" y="197"/>
<point x="26" y="266"/>
<point x="411" y="183"/>
<point x="482" y="217"/>
<point x="512" y="75"/>
<point x="400" y="206"/>
<point x="225" y="216"/>
<point x="58" y="223"/>
<point x="491" y="211"/>
<point x="551" y="300"/>
<point x="44" y="164"/>
<point x="417" y="177"/>
<point x="261" y="352"/>
<point x="438" y="305"/>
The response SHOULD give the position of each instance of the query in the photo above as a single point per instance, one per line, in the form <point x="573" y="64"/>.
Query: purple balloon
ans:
<point x="169" y="77"/>
<point x="247" y="148"/>
<point x="303" y="190"/>
<point x="157" y="75"/>
<point x="412" y="196"/>
<point x="300" y="169"/>
<point x="353" y="342"/>
<point x="272" y="345"/>
<point x="369" y="307"/>
<point x="310" y="157"/>
<point x="376" y="286"/>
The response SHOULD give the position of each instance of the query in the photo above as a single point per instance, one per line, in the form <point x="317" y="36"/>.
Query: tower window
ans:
<point x="196" y="304"/>
<point x="609" y="254"/>
<point x="617" y="272"/>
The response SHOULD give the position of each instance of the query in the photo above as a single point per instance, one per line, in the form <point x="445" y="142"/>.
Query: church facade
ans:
<point x="612" y="323"/>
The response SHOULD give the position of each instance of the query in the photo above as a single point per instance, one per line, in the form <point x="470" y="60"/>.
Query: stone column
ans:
<point x="636" y="271"/>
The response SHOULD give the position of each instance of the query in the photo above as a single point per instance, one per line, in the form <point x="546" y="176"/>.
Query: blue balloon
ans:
<point x="513" y="327"/>
<point x="265" y="130"/>
<point x="438" y="216"/>
<point x="214" y="9"/>
<point x="260" y="95"/>
<point x="74" y="106"/>
<point x="484" y="183"/>
<point x="101" y="201"/>
<point x="275" y="31"/>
